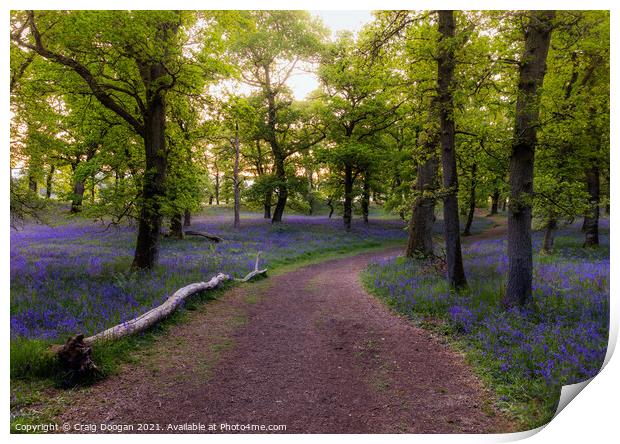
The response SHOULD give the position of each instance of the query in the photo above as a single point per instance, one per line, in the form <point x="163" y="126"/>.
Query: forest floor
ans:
<point x="309" y="349"/>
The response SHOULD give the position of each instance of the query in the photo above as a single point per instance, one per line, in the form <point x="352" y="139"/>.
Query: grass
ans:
<point x="74" y="278"/>
<point x="30" y="358"/>
<point x="39" y="254"/>
<point x="523" y="355"/>
<point x="35" y="375"/>
<point x="530" y="404"/>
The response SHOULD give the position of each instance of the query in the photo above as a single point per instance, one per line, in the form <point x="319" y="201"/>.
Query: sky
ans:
<point x="303" y="83"/>
<point x="341" y="20"/>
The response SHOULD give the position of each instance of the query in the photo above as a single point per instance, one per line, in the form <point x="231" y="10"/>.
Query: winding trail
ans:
<point x="309" y="349"/>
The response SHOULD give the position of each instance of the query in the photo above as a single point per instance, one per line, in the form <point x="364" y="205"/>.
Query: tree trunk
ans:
<point x="92" y="189"/>
<point x="278" y="155"/>
<point x="472" y="202"/>
<point x="420" y="241"/>
<point x="494" y="202"/>
<point x="445" y="74"/>
<point x="348" y="197"/>
<point x="590" y="221"/>
<point x="79" y="182"/>
<point x="531" y="76"/>
<point x="331" y="207"/>
<point x="78" y="195"/>
<point x="310" y="191"/>
<point x="365" y="196"/>
<point x="260" y="170"/>
<point x="48" y="182"/>
<point x="504" y="202"/>
<point x="32" y="183"/>
<point x="153" y="189"/>
<point x="550" y="227"/>
<point x="236" y="177"/>
<point x="267" y="205"/>
<point x="282" y="191"/>
<point x="593" y="184"/>
<point x="217" y="186"/>
<point x="176" y="227"/>
<point x="156" y="80"/>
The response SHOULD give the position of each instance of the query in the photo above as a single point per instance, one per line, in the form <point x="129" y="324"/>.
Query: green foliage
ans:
<point x="374" y="113"/>
<point x="32" y="359"/>
<point x="374" y="109"/>
<point x="25" y="205"/>
<point x="575" y="112"/>
<point x="96" y="97"/>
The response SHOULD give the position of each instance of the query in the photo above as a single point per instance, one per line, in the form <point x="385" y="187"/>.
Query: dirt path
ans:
<point x="310" y="350"/>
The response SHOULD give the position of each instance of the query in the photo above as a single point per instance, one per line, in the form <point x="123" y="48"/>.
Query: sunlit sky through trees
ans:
<point x="303" y="83"/>
<point x="303" y="80"/>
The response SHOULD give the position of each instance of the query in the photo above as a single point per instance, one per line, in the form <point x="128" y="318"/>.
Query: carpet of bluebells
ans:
<point x="561" y="339"/>
<point x="73" y="277"/>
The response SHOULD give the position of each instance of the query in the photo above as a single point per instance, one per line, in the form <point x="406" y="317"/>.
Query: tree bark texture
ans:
<point x="420" y="240"/>
<point x="236" y="177"/>
<point x="279" y="156"/>
<point x="593" y="185"/>
<point x="282" y="191"/>
<point x="176" y="227"/>
<point x="331" y="207"/>
<point x="187" y="218"/>
<point x="77" y="196"/>
<point x="93" y="183"/>
<point x="494" y="202"/>
<point x="591" y="219"/>
<point x="531" y="75"/>
<point x="267" y="205"/>
<point x="550" y="227"/>
<point x="32" y="183"/>
<point x="153" y="189"/>
<point x="472" y="202"/>
<point x="49" y="181"/>
<point x="445" y="78"/>
<point x="217" y="184"/>
<point x="347" y="214"/>
<point x="365" y="196"/>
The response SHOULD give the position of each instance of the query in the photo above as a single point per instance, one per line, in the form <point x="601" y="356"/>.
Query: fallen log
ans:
<point x="156" y="314"/>
<point x="75" y="355"/>
<point x="254" y="272"/>
<point x="211" y="237"/>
